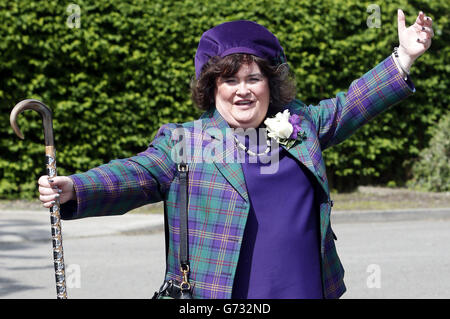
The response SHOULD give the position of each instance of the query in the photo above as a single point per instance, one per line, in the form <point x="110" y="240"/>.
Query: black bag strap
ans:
<point x="183" y="170"/>
<point x="183" y="175"/>
<point x="170" y="289"/>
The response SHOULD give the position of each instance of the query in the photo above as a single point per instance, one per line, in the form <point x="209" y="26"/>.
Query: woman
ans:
<point x="251" y="234"/>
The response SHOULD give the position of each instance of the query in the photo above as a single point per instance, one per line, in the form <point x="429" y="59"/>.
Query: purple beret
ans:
<point x="240" y="36"/>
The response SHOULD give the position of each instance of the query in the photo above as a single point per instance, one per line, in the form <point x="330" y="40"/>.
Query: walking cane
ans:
<point x="55" y="218"/>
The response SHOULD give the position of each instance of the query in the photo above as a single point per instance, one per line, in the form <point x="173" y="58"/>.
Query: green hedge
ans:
<point x="112" y="82"/>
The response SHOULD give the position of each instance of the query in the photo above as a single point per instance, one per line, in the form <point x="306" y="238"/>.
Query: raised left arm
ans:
<point x="377" y="90"/>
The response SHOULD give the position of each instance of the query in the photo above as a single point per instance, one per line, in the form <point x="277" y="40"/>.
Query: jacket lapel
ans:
<point x="216" y="128"/>
<point x="301" y="152"/>
<point x="307" y="151"/>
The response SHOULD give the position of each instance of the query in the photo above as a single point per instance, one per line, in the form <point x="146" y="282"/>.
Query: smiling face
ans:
<point x="243" y="98"/>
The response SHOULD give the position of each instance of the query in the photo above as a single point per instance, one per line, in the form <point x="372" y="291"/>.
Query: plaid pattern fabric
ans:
<point x="218" y="200"/>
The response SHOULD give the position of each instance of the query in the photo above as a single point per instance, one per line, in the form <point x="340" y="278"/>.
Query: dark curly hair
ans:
<point x="281" y="81"/>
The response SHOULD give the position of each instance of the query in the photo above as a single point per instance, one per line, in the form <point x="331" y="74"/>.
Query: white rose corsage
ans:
<point x="285" y="128"/>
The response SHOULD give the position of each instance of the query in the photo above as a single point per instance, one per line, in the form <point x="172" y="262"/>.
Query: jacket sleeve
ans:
<point x="124" y="184"/>
<point x="377" y="90"/>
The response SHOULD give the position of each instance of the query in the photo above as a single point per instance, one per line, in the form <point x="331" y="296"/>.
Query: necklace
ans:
<point x="246" y="150"/>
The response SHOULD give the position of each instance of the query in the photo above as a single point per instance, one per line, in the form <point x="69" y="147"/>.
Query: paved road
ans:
<point x="100" y="267"/>
<point x="410" y="258"/>
<point x="383" y="259"/>
<point x="104" y="256"/>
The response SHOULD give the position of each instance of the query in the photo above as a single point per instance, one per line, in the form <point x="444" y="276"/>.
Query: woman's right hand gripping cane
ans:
<point x="58" y="187"/>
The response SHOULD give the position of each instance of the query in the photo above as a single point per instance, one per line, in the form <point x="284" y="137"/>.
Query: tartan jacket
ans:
<point x="218" y="199"/>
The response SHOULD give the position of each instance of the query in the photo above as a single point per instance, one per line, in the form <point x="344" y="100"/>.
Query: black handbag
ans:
<point x="172" y="289"/>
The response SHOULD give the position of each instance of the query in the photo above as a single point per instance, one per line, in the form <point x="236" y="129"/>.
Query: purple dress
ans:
<point x="280" y="252"/>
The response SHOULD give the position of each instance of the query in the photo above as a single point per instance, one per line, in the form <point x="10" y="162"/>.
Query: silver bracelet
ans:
<point x="398" y="62"/>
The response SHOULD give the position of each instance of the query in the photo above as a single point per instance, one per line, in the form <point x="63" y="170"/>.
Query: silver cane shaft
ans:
<point x="55" y="220"/>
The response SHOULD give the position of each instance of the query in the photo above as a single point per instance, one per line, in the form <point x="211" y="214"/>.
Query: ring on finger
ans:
<point x="428" y="30"/>
<point x="423" y="41"/>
